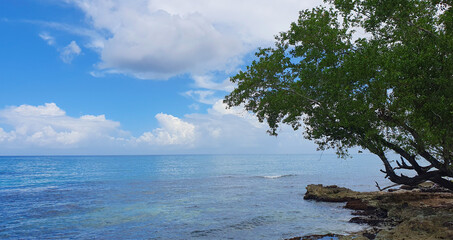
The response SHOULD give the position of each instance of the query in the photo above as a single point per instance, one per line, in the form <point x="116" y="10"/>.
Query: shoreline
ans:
<point x="422" y="213"/>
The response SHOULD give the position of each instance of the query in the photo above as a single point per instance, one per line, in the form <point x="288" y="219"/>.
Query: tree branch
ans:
<point x="382" y="189"/>
<point x="410" y="158"/>
<point x="307" y="98"/>
<point x="417" y="144"/>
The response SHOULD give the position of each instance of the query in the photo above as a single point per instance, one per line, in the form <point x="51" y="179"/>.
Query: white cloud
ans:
<point x="47" y="129"/>
<point x="202" y="96"/>
<point x="95" y="37"/>
<point x="173" y="131"/>
<point x="194" y="106"/>
<point x="48" y="125"/>
<point x="235" y="130"/>
<point x="152" y="43"/>
<point x="162" y="38"/>
<point x="207" y="82"/>
<point x="46" y="110"/>
<point x="48" y="38"/>
<point x="68" y="53"/>
<point x="5" y="136"/>
<point x="48" y="135"/>
<point x="219" y="108"/>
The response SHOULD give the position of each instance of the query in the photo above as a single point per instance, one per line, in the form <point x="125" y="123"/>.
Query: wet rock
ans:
<point x="315" y="237"/>
<point x="369" y="235"/>
<point x="331" y="193"/>
<point x="419" y="228"/>
<point x="356" y="204"/>
<point x="448" y="225"/>
<point x="425" y="212"/>
<point x="367" y="220"/>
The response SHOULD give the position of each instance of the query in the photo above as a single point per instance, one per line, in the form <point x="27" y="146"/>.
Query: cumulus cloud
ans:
<point x="162" y="38"/>
<point x="5" y="136"/>
<point x="46" y="110"/>
<point x="173" y="131"/>
<point x="68" y="53"/>
<point x="47" y="125"/>
<point x="47" y="129"/>
<point x="2" y="135"/>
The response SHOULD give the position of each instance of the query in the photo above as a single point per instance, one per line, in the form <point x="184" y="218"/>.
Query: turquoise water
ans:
<point x="176" y="197"/>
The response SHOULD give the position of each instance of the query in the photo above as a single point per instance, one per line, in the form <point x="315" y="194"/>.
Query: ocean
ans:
<point x="176" y="197"/>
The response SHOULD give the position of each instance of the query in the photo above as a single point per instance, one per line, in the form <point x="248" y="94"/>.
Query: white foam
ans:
<point x="279" y="176"/>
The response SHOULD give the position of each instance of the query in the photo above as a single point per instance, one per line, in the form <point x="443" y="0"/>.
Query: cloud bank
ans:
<point x="47" y="129"/>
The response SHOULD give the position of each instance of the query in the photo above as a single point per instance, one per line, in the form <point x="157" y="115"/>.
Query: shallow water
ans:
<point x="176" y="197"/>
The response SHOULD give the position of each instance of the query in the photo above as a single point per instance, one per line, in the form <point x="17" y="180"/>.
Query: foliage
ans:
<point x="387" y="89"/>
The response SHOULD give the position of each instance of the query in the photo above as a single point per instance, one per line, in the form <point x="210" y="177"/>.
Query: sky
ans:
<point x="135" y="77"/>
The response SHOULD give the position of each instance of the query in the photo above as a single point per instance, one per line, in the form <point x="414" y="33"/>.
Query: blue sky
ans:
<point x="134" y="77"/>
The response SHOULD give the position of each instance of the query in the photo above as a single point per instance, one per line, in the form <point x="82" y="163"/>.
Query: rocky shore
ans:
<point x="421" y="213"/>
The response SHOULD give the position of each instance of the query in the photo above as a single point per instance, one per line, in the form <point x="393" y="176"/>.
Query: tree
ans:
<point x="390" y="90"/>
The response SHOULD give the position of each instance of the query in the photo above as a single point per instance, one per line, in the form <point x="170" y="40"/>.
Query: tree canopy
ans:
<point x="386" y="89"/>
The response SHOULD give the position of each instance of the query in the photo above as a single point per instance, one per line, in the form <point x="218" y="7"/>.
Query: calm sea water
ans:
<point x="176" y="197"/>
